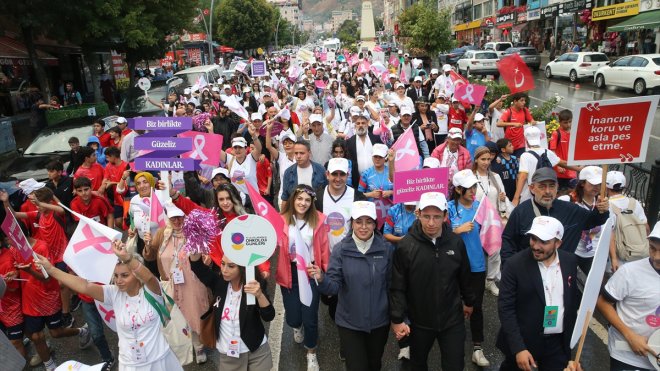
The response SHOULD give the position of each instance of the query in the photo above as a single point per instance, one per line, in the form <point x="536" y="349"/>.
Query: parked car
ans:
<point x="639" y="72"/>
<point x="498" y="46"/>
<point x="529" y="54"/>
<point x="478" y="62"/>
<point x="453" y="56"/>
<point x="576" y="65"/>
<point x="134" y="102"/>
<point x="189" y="76"/>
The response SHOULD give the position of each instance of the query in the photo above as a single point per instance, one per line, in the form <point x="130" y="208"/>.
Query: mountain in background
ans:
<point x="321" y="10"/>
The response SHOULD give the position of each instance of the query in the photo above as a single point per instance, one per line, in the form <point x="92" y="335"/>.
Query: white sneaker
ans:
<point x="492" y="287"/>
<point x="299" y="335"/>
<point x="404" y="353"/>
<point x="200" y="356"/>
<point x="479" y="358"/>
<point x="312" y="363"/>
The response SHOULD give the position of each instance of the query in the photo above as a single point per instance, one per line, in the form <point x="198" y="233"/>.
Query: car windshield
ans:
<point x="528" y="52"/>
<point x="502" y="47"/>
<point x="486" y="56"/>
<point x="596" y="58"/>
<point x="189" y="79"/>
<point x="57" y="140"/>
<point x="136" y="102"/>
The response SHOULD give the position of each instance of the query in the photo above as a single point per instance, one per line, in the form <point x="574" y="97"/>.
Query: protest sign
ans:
<point x="611" y="131"/>
<point x="240" y="66"/>
<point x="259" y="69"/>
<point x="406" y="152"/>
<point x="13" y="230"/>
<point x="410" y="185"/>
<point x="161" y="150"/>
<point x="469" y="93"/>
<point x="204" y="147"/>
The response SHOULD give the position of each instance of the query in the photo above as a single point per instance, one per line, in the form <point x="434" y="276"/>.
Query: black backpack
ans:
<point x="542" y="160"/>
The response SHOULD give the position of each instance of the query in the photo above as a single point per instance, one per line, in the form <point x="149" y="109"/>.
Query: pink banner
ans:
<point x="469" y="93"/>
<point x="13" y="230"/>
<point x="394" y="61"/>
<point x="406" y="151"/>
<point x="490" y="233"/>
<point x="364" y="67"/>
<point x="410" y="185"/>
<point x="320" y="84"/>
<point x="205" y="147"/>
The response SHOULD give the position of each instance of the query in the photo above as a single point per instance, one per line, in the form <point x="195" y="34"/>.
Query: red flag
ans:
<point x="515" y="73"/>
<point x="490" y="233"/>
<point x="263" y="208"/>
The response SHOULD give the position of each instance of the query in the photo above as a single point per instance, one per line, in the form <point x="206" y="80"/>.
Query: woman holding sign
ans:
<point x="304" y="243"/>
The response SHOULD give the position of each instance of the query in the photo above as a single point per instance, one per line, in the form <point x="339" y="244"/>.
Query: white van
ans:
<point x="190" y="75"/>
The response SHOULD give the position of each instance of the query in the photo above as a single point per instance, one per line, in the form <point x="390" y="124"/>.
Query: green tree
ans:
<point x="378" y="24"/>
<point x="245" y="24"/>
<point x="348" y="33"/>
<point x="425" y="28"/>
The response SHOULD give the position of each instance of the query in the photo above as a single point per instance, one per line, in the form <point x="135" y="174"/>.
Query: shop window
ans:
<point x="477" y="11"/>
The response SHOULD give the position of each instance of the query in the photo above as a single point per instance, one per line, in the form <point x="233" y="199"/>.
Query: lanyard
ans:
<point x="234" y="303"/>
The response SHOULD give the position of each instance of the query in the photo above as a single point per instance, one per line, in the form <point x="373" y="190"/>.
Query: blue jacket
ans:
<point x="290" y="180"/>
<point x="100" y="154"/>
<point x="361" y="282"/>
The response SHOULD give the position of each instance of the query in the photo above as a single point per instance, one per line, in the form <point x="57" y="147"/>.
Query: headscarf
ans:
<point x="150" y="178"/>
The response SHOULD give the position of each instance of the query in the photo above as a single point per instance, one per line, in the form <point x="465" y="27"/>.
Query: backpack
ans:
<point x="542" y="160"/>
<point x="630" y="234"/>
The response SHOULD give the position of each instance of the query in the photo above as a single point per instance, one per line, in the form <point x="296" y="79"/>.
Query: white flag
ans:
<point x="235" y="106"/>
<point x="302" y="260"/>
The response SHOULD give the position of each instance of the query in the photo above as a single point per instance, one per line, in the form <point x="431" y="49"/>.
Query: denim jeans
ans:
<point x="298" y="314"/>
<point x="95" y="323"/>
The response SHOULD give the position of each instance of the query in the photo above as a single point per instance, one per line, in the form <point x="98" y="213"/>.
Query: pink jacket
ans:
<point x="321" y="247"/>
<point x="464" y="159"/>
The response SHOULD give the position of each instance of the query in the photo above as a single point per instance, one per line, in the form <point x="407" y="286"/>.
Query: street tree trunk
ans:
<point x="40" y="72"/>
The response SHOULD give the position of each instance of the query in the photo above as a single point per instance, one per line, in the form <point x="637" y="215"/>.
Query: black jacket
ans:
<point x="225" y="126"/>
<point x="351" y="145"/>
<point x="521" y="304"/>
<point x="574" y="219"/>
<point x="428" y="281"/>
<point x="249" y="317"/>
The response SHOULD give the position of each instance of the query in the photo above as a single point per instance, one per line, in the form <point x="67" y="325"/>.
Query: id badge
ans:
<point x="177" y="276"/>
<point x="234" y="347"/>
<point x="550" y="315"/>
<point x="137" y="352"/>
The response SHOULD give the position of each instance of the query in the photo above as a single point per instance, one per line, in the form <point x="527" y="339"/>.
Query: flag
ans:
<point x="235" y="106"/>
<point x="364" y="67"/>
<point x="406" y="154"/>
<point x="107" y="314"/>
<point x="200" y="83"/>
<point x="156" y="211"/>
<point x="402" y="76"/>
<point x="302" y="260"/>
<point x="276" y="81"/>
<point x="353" y="60"/>
<point x="469" y="93"/>
<point x="515" y="73"/>
<point x="382" y="207"/>
<point x="377" y="48"/>
<point x="265" y="209"/>
<point x="491" y="226"/>
<point x="13" y="230"/>
<point x="378" y="68"/>
<point x="394" y="60"/>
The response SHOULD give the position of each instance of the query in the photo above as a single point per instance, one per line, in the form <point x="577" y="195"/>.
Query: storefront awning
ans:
<point x="468" y="26"/>
<point x="13" y="52"/>
<point x="642" y="21"/>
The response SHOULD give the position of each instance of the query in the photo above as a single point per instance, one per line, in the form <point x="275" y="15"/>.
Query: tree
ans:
<point x="245" y="24"/>
<point x="348" y="33"/>
<point x="378" y="24"/>
<point x="426" y="28"/>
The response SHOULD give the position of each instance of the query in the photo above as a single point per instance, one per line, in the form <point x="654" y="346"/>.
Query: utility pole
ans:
<point x="277" y="30"/>
<point x="210" y="36"/>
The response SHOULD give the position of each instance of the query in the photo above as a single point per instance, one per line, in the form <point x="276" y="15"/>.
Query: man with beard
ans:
<point x="538" y="301"/>
<point x="360" y="146"/>
<point x="574" y="218"/>
<point x="225" y="124"/>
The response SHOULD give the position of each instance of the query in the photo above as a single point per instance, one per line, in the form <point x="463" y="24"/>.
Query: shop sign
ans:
<point x="533" y="14"/>
<point x="467" y="26"/>
<point x="550" y="11"/>
<point x="522" y="17"/>
<point x="615" y="11"/>
<point x="533" y="4"/>
<point x="194" y="55"/>
<point x="120" y="70"/>
<point x="506" y="18"/>
<point x="488" y="22"/>
<point x="193" y="37"/>
<point x="574" y="6"/>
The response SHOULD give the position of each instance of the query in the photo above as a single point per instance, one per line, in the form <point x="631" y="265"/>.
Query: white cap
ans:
<point x="288" y="135"/>
<point x="446" y="67"/>
<point x="614" y="178"/>
<point x="121" y="120"/>
<point x="392" y="76"/>
<point x="418" y="78"/>
<point x="338" y="164"/>
<point x="546" y="228"/>
<point x="455" y="133"/>
<point x="592" y="174"/>
<point x="405" y="110"/>
<point x="246" y="90"/>
<point x="277" y="70"/>
<point x="436" y="199"/>
<point x="225" y="87"/>
<point x="186" y="91"/>
<point x="454" y="100"/>
<point x="431" y="162"/>
<point x="465" y="178"/>
<point x="434" y="70"/>
<point x="400" y="52"/>
<point x="173" y="211"/>
<point x="392" y="104"/>
<point x="360" y="97"/>
<point x="655" y="233"/>
<point x="256" y="116"/>
<point x="220" y="171"/>
<point x="379" y="149"/>
<point x="363" y="208"/>
<point x="399" y="85"/>
<point x="267" y="84"/>
<point x="411" y="203"/>
<point x="315" y="118"/>
<point x="533" y="135"/>
<point x="478" y="117"/>
<point x="215" y="88"/>
<point x="30" y="185"/>
<point x="406" y="55"/>
<point x="266" y="94"/>
<point x="239" y="141"/>
<point x="356" y="111"/>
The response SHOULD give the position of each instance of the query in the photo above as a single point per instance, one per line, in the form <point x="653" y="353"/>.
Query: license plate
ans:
<point x="489" y="64"/>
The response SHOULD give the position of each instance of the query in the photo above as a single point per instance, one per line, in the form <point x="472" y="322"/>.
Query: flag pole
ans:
<point x="481" y="202"/>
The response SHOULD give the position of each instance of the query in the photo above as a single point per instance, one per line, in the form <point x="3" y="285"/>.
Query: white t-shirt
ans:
<point x="305" y="174"/>
<point x="338" y="211"/>
<point x="284" y="163"/>
<point x="589" y="239"/>
<point x="441" y="113"/>
<point x="488" y="188"/>
<point x="405" y="101"/>
<point x="528" y="165"/>
<point x="138" y="326"/>
<point x="231" y="328"/>
<point x="636" y="287"/>
<point x="495" y="132"/>
<point x="239" y="173"/>
<point x="364" y="153"/>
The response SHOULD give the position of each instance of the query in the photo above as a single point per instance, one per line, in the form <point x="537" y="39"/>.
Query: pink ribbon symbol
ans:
<point x="468" y="93"/>
<point x="301" y="264"/>
<point x="109" y="314"/>
<point x="406" y="151"/>
<point x="92" y="240"/>
<point x="199" y="143"/>
<point x="225" y="314"/>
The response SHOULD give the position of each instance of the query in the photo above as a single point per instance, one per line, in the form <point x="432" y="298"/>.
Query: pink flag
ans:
<point x="377" y="48"/>
<point x="378" y="69"/>
<point x="323" y="57"/>
<point x="156" y="211"/>
<point x="13" y="231"/>
<point x="320" y="84"/>
<point x="107" y="314"/>
<point x="406" y="152"/>
<point x="394" y="61"/>
<point x="205" y="147"/>
<point x="382" y="206"/>
<point x="364" y="67"/>
<point x="491" y="226"/>
<point x="353" y="60"/>
<point x="469" y="93"/>
<point x="402" y="76"/>
<point x="263" y="208"/>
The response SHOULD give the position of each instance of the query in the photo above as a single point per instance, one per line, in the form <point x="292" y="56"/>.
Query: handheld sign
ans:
<point x="611" y="131"/>
<point x="13" y="230"/>
<point x="259" y="69"/>
<point x="144" y="84"/>
<point x="249" y="240"/>
<point x="410" y="185"/>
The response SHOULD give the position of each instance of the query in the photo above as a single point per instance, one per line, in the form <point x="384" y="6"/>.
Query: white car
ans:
<point x="576" y="65"/>
<point x="639" y="72"/>
<point x="498" y="47"/>
<point x="478" y="62"/>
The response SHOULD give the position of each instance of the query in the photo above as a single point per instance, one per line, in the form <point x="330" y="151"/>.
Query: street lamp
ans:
<point x="277" y="29"/>
<point x="209" y="29"/>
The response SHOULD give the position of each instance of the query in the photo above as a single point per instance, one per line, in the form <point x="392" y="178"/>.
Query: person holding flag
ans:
<point x="304" y="243"/>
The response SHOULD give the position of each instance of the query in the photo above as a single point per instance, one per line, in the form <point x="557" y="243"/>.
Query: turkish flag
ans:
<point x="515" y="73"/>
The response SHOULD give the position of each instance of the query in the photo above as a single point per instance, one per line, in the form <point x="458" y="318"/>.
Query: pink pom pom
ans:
<point x="200" y="228"/>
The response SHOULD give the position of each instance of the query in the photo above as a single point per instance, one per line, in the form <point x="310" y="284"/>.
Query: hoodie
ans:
<point x="100" y="155"/>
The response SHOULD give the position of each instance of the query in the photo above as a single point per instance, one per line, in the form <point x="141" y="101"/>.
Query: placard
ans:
<point x="259" y="69"/>
<point x="410" y="185"/>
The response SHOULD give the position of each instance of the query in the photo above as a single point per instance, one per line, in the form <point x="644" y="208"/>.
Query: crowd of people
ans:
<point x="315" y="139"/>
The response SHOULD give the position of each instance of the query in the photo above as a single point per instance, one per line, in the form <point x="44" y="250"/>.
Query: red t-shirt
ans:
<point x="114" y="173"/>
<point x="40" y="298"/>
<point x="31" y="223"/>
<point x="94" y="173"/>
<point x="104" y="139"/>
<point x="51" y="231"/>
<point x="561" y="149"/>
<point x="457" y="118"/>
<point x="516" y="135"/>
<point x="97" y="209"/>
<point x="263" y="173"/>
<point x="11" y="313"/>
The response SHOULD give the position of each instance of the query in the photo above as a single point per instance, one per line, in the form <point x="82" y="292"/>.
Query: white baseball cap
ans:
<point x="315" y="118"/>
<point x="363" y="208"/>
<point x="256" y="116"/>
<point x="246" y="90"/>
<point x="220" y="171"/>
<point x="215" y="88"/>
<point x="546" y="228"/>
<point x="379" y="149"/>
<point x="30" y="185"/>
<point x="479" y="117"/>
<point x="405" y="110"/>
<point x="434" y="71"/>
<point x="360" y="97"/>
<point x="121" y="120"/>
<point x="614" y="178"/>
<point x="338" y="164"/>
<point x="186" y="91"/>
<point x="455" y="133"/>
<point x="533" y="135"/>
<point x="400" y="52"/>
<point x="239" y="141"/>
<point x="436" y="199"/>
<point x="446" y="67"/>
<point x="288" y="135"/>
<point x="173" y="211"/>
<point x="399" y="85"/>
<point x="592" y="174"/>
<point x="418" y="78"/>
<point x="464" y="178"/>
<point x="356" y="111"/>
<point x="392" y="76"/>
<point x="266" y="94"/>
<point x="225" y="87"/>
<point x="431" y="162"/>
<point x="655" y="233"/>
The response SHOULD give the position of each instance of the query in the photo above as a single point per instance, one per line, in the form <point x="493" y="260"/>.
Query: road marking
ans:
<point x="276" y="327"/>
<point x="598" y="329"/>
<point x="655" y="137"/>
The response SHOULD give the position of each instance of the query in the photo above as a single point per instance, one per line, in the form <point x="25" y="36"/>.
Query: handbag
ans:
<point x="208" y="332"/>
<point x="179" y="336"/>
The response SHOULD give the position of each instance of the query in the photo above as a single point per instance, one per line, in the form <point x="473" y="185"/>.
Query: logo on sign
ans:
<point x="237" y="240"/>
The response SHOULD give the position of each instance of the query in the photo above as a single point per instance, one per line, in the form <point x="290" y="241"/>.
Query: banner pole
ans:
<point x="584" y="335"/>
<point x="603" y="183"/>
